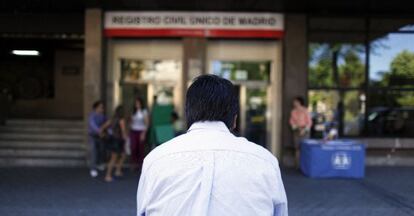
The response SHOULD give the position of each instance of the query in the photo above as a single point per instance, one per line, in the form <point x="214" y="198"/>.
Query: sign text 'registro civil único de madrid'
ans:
<point x="194" y="24"/>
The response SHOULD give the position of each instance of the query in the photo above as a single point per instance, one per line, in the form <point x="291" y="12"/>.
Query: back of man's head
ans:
<point x="211" y="98"/>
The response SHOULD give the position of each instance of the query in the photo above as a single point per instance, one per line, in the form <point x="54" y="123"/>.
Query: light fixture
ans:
<point x="26" y="52"/>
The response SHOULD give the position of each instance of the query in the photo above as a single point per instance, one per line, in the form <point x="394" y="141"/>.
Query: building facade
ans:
<point x="344" y="66"/>
<point x="353" y="62"/>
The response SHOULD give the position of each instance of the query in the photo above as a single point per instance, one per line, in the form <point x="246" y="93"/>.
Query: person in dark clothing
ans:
<point x="118" y="136"/>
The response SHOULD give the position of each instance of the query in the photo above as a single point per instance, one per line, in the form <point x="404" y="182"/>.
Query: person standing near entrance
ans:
<point x="139" y="126"/>
<point x="118" y="136"/>
<point x="301" y="123"/>
<point x="209" y="171"/>
<point x="96" y="120"/>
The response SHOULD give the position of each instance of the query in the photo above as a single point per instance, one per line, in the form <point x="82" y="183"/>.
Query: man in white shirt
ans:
<point x="208" y="171"/>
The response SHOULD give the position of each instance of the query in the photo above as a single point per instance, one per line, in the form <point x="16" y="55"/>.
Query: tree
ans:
<point x="333" y="65"/>
<point x="320" y="65"/>
<point x="352" y="72"/>
<point x="402" y="69"/>
<point x="402" y="74"/>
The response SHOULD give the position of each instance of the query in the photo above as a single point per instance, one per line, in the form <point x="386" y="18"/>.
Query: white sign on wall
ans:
<point x="193" y="24"/>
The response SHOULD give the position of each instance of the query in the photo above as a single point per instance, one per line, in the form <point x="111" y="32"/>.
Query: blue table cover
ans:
<point x="339" y="158"/>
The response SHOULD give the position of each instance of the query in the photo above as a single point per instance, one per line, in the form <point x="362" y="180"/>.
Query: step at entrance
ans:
<point x="42" y="143"/>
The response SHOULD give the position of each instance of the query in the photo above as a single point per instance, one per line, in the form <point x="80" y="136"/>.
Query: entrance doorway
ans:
<point x="251" y="81"/>
<point x="252" y="68"/>
<point x="149" y="69"/>
<point x="154" y="81"/>
<point x="153" y="70"/>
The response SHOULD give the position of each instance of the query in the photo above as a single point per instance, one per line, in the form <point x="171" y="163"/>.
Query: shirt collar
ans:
<point x="209" y="125"/>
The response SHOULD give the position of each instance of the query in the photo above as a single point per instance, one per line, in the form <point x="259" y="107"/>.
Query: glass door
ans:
<point x="155" y="81"/>
<point x="256" y="114"/>
<point x="252" y="81"/>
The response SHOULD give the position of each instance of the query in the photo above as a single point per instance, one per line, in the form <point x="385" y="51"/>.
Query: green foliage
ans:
<point x="402" y="69"/>
<point x="352" y="72"/>
<point x="400" y="74"/>
<point x="321" y="74"/>
<point x="324" y="59"/>
<point x="333" y="65"/>
<point x="403" y="64"/>
<point x="406" y="100"/>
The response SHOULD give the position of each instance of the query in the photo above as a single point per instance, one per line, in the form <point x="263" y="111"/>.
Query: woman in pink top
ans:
<point x="300" y="122"/>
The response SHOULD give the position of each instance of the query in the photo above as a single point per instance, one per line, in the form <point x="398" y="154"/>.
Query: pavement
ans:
<point x="384" y="191"/>
<point x="52" y="191"/>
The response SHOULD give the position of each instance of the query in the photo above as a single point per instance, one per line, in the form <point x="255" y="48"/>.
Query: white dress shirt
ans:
<point x="210" y="172"/>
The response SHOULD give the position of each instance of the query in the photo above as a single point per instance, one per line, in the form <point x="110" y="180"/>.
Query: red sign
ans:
<point x="178" y="24"/>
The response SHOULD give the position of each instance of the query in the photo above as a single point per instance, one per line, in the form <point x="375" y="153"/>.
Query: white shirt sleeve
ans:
<point x="280" y="202"/>
<point x="142" y="193"/>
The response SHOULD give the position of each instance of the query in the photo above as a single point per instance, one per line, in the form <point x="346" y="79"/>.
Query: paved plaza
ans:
<point x="55" y="192"/>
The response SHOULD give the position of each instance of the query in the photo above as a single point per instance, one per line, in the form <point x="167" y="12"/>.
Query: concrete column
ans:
<point x="93" y="59"/>
<point x="295" y="70"/>
<point x="194" y="61"/>
<point x="92" y="78"/>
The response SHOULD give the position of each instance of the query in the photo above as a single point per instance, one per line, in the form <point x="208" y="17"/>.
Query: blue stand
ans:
<point x="339" y="158"/>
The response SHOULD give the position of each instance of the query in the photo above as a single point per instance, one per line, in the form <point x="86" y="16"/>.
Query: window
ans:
<point x="336" y="82"/>
<point x="242" y="70"/>
<point x="133" y="70"/>
<point x="151" y="80"/>
<point x="391" y="113"/>
<point x="391" y="81"/>
<point x="323" y="107"/>
<point x="336" y="65"/>
<point x="392" y="61"/>
<point x="362" y="95"/>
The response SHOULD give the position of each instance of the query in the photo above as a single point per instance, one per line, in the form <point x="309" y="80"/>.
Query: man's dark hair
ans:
<point x="211" y="98"/>
<point x="96" y="104"/>
<point x="301" y="100"/>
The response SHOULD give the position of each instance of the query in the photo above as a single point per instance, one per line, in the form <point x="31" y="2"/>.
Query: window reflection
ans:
<point x="150" y="70"/>
<point x="354" y="113"/>
<point x="323" y="108"/>
<point x="392" y="61"/>
<point x="152" y="80"/>
<point x="391" y="113"/>
<point x="336" y="65"/>
<point x="381" y="104"/>
<point x="256" y="115"/>
<point x="344" y="110"/>
<point x="242" y="70"/>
